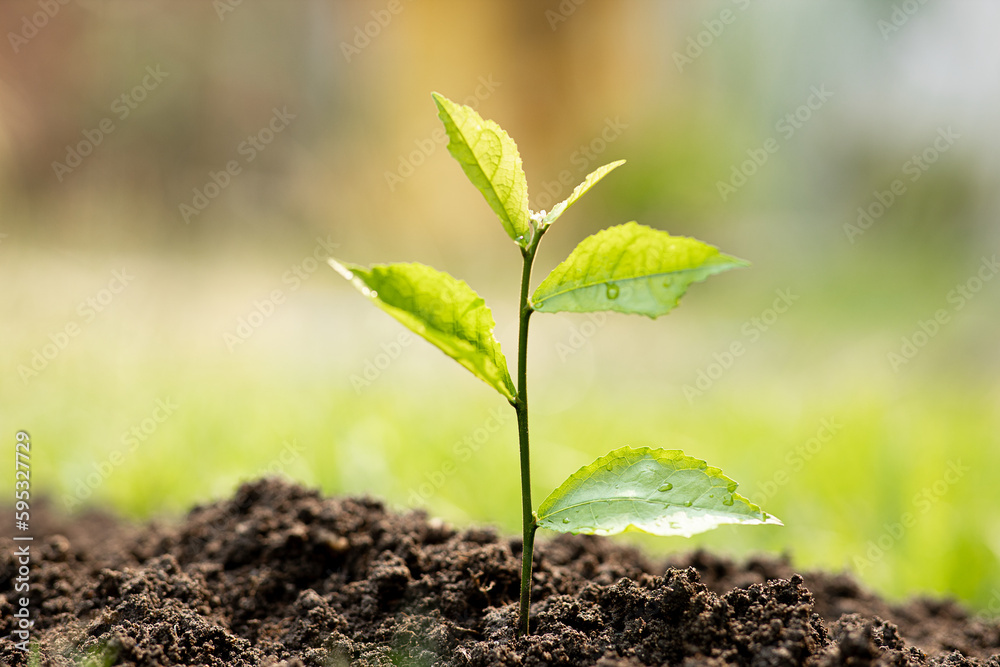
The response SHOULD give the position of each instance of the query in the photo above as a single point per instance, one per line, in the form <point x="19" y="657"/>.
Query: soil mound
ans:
<point x="280" y="576"/>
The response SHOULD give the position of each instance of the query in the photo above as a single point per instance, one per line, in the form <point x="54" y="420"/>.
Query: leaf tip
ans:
<point x="770" y="519"/>
<point x="349" y="273"/>
<point x="340" y="268"/>
<point x="738" y="262"/>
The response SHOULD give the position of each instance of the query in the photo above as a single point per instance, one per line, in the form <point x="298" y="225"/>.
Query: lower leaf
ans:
<point x="657" y="491"/>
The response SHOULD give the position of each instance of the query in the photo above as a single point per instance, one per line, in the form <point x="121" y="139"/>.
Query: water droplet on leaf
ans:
<point x="732" y="487"/>
<point x="565" y="520"/>
<point x="612" y="291"/>
<point x="727" y="501"/>
<point x="666" y="487"/>
<point x="688" y="504"/>
<point x="609" y="467"/>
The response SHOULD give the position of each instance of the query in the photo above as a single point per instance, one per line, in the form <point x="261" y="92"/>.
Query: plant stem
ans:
<point x="528" y="524"/>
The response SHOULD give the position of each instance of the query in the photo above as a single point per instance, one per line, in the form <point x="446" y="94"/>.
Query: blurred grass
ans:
<point x="423" y="427"/>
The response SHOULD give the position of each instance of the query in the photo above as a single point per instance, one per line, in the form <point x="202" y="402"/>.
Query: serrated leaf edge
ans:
<point x="505" y="379"/>
<point x="584" y="186"/>
<point x="721" y="262"/>
<point x="509" y="224"/>
<point x="659" y="453"/>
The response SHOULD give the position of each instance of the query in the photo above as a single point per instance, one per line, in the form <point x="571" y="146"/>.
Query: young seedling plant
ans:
<point x="628" y="268"/>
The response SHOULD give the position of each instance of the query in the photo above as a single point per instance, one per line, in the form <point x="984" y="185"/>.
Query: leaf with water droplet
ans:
<point x="589" y="182"/>
<point x="442" y="309"/>
<point x="689" y="506"/>
<point x="650" y="270"/>
<point x="490" y="159"/>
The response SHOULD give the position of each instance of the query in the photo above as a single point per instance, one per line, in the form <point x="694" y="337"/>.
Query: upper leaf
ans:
<point x="589" y="182"/>
<point x="658" y="491"/>
<point x="629" y="268"/>
<point x="490" y="160"/>
<point x="442" y="309"/>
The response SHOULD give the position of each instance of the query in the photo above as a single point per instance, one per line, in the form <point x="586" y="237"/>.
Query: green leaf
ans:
<point x="629" y="268"/>
<point x="490" y="160"/>
<point x="442" y="309"/>
<point x="658" y="491"/>
<point x="579" y="191"/>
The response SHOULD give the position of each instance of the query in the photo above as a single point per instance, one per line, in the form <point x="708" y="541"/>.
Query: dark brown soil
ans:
<point x="279" y="575"/>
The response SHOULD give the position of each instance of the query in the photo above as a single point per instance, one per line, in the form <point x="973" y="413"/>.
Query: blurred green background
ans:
<point x="172" y="174"/>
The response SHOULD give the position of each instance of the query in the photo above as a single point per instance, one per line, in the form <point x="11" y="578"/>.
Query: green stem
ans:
<point x="528" y="524"/>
